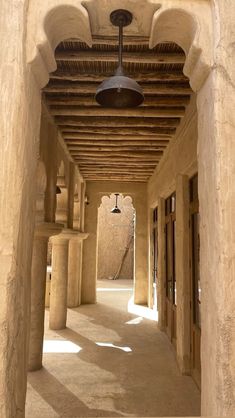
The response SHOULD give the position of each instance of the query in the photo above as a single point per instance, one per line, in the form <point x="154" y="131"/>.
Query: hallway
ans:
<point x="109" y="362"/>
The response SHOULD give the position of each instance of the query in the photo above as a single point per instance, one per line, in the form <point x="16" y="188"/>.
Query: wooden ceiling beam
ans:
<point x="117" y="156"/>
<point x="113" y="179"/>
<point x="120" y="165"/>
<point x="113" y="149"/>
<point x="117" y="164"/>
<point x="117" y="170"/>
<point x="173" y="76"/>
<point x="90" y="88"/>
<point x="120" y="122"/>
<point x="78" y="135"/>
<point x="128" y="57"/>
<point x="115" y="161"/>
<point x="145" y="112"/>
<point x="116" y="173"/>
<point x="119" y="132"/>
<point x="116" y="144"/>
<point x="167" y="101"/>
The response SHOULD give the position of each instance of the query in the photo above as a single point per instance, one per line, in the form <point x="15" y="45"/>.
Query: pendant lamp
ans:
<point x="120" y="91"/>
<point x="116" y="208"/>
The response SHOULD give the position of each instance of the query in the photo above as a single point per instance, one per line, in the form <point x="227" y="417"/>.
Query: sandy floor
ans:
<point x="108" y="363"/>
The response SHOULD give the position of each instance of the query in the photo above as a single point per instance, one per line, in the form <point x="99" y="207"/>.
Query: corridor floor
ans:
<point x="109" y="363"/>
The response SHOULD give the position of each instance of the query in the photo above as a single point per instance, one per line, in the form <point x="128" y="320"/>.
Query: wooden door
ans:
<point x="155" y="256"/>
<point x="195" y="304"/>
<point x="170" y="285"/>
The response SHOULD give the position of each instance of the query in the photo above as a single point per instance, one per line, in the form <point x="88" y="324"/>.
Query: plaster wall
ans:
<point x="177" y="166"/>
<point x="115" y="234"/>
<point x="179" y="158"/>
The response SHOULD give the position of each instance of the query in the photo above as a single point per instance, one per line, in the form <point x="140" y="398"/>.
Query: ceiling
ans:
<point x="117" y="144"/>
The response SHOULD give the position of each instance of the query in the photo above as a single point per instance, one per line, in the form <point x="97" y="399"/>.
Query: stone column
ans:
<point x="75" y="270"/>
<point x="38" y="283"/>
<point x="183" y="273"/>
<point x="161" y="276"/>
<point x="59" y="279"/>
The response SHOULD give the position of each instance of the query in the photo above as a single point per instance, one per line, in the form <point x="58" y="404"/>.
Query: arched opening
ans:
<point x="91" y="154"/>
<point x="115" y="245"/>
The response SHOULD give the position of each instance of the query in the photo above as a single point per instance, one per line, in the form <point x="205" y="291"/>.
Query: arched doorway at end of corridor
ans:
<point x="115" y="247"/>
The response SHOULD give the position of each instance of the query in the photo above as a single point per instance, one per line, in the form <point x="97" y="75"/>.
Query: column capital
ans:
<point x="47" y="229"/>
<point x="80" y="236"/>
<point x="69" y="234"/>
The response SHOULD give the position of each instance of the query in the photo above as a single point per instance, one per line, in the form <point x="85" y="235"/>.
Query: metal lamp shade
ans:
<point x="116" y="210"/>
<point x="119" y="92"/>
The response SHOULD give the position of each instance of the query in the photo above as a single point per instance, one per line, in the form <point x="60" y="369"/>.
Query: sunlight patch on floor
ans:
<point x="107" y="289"/>
<point x="135" y="321"/>
<point x="126" y="349"/>
<point x="142" y="311"/>
<point x="60" y="346"/>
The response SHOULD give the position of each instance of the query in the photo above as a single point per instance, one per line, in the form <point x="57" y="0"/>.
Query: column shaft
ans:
<point x="38" y="284"/>
<point x="59" y="282"/>
<point x="74" y="274"/>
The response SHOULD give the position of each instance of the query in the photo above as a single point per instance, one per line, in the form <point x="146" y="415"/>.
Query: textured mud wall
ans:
<point x="115" y="234"/>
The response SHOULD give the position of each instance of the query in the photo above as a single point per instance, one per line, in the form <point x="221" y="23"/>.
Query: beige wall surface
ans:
<point x="179" y="158"/>
<point x="115" y="234"/>
<point x="179" y="163"/>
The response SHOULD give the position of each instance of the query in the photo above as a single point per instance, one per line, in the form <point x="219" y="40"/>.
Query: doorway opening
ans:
<point x="115" y="246"/>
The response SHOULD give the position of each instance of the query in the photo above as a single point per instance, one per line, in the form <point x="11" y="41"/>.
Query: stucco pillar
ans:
<point x="89" y="261"/>
<point x="38" y="284"/>
<point x="19" y="147"/>
<point x="217" y="233"/>
<point x="161" y="276"/>
<point x="75" y="270"/>
<point x="182" y="273"/>
<point x="59" y="279"/>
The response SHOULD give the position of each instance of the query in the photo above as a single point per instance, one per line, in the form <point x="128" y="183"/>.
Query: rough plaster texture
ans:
<point x="115" y="234"/>
<point x="95" y="191"/>
<point x="216" y="125"/>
